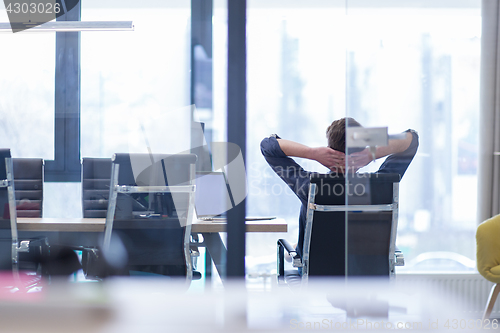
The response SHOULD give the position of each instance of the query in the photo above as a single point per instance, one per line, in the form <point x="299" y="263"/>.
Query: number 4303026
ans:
<point x="33" y="8"/>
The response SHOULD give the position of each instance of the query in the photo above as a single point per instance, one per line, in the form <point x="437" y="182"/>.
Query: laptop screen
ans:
<point x="211" y="196"/>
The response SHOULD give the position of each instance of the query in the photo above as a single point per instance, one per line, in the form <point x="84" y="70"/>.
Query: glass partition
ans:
<point x="403" y="70"/>
<point x="396" y="66"/>
<point x="413" y="67"/>
<point x="296" y="87"/>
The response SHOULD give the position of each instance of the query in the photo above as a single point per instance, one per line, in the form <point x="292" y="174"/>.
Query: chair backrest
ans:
<point x="150" y="210"/>
<point x="28" y="183"/>
<point x="96" y="176"/>
<point x="488" y="249"/>
<point x="371" y="216"/>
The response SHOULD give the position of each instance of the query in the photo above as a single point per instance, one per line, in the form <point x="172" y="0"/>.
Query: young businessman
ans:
<point x="278" y="153"/>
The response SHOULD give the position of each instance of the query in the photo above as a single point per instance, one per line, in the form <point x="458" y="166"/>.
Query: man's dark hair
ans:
<point x="336" y="133"/>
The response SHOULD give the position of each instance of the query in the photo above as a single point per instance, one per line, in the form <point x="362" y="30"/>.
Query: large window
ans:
<point x="423" y="76"/>
<point x="296" y="87"/>
<point x="401" y="64"/>
<point x="135" y="77"/>
<point x="27" y="92"/>
<point x="405" y="65"/>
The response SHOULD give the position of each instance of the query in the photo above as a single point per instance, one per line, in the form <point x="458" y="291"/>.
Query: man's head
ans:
<point x="336" y="133"/>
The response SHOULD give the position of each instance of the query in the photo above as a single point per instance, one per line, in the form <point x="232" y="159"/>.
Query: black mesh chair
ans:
<point x="9" y="246"/>
<point x="28" y="184"/>
<point x="150" y="209"/>
<point x="96" y="177"/>
<point x="371" y="216"/>
<point x="15" y="254"/>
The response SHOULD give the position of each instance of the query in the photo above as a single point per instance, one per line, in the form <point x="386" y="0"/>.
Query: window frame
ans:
<point x="66" y="166"/>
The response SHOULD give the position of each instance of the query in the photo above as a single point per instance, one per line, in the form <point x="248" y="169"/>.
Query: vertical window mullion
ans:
<point x="66" y="164"/>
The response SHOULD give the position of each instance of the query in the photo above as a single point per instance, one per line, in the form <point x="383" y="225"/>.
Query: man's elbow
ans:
<point x="264" y="144"/>
<point x="415" y="139"/>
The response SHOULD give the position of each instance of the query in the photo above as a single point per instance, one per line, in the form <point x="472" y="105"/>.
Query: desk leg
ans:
<point x="208" y="270"/>
<point x="217" y="251"/>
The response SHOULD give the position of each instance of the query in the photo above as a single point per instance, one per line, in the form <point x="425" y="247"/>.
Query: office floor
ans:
<point x="255" y="281"/>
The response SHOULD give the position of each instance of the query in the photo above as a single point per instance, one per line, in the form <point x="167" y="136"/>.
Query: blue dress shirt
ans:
<point x="298" y="179"/>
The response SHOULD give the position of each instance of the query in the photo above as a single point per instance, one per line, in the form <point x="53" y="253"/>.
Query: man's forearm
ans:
<point x="394" y="146"/>
<point x="330" y="158"/>
<point x="295" y="149"/>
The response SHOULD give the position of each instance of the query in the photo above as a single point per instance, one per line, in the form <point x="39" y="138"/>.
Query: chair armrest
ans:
<point x="24" y="246"/>
<point x="399" y="258"/>
<point x="287" y="246"/>
<point x="283" y="245"/>
<point x="297" y="260"/>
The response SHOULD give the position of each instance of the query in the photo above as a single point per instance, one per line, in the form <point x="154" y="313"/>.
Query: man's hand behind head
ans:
<point x="330" y="158"/>
<point x="356" y="161"/>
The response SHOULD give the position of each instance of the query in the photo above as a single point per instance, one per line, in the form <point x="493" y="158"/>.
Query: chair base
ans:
<point x="291" y="278"/>
<point x="495" y="290"/>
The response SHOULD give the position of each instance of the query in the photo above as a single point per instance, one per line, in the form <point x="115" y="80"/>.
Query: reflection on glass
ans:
<point x="296" y="88"/>
<point x="423" y="77"/>
<point x="309" y="65"/>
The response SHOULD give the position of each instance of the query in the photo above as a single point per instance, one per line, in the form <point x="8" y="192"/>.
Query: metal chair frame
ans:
<point x="113" y="194"/>
<point x="16" y="246"/>
<point x="312" y="207"/>
<point x="395" y="257"/>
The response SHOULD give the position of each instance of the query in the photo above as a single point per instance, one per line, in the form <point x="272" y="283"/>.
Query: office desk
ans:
<point x="213" y="242"/>
<point x="97" y="225"/>
<point x="88" y="232"/>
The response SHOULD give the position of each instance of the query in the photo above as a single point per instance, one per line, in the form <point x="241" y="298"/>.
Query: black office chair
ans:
<point x="28" y="259"/>
<point x="16" y="255"/>
<point x="28" y="184"/>
<point x="371" y="214"/>
<point x="149" y="207"/>
<point x="96" y="177"/>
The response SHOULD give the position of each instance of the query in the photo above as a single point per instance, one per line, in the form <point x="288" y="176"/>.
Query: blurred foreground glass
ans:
<point x="128" y="305"/>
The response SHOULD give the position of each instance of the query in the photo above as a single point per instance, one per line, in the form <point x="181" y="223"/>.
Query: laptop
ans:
<point x="213" y="198"/>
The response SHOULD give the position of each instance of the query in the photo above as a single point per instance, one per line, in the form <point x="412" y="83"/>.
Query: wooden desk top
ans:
<point x="97" y="225"/>
<point x="275" y="225"/>
<point x="60" y="224"/>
